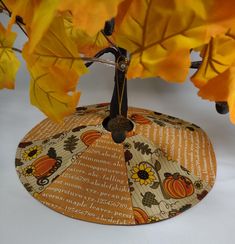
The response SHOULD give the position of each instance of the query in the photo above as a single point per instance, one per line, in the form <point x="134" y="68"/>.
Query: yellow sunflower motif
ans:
<point x="28" y="171"/>
<point x="32" y="153"/>
<point x="143" y="174"/>
<point x="153" y="219"/>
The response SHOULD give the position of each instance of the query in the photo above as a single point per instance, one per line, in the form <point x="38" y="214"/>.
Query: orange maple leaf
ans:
<point x="215" y="77"/>
<point x="54" y="65"/>
<point x="159" y="34"/>
<point x="90" y="15"/>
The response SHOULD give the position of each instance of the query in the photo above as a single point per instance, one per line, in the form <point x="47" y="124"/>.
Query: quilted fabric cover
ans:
<point x="164" y="167"/>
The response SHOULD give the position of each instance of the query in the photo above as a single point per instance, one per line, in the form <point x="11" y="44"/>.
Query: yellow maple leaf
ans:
<point x="42" y="18"/>
<point x="55" y="48"/>
<point x="59" y="53"/>
<point x="215" y="77"/>
<point x="221" y="88"/>
<point x="53" y="90"/>
<point x="87" y="45"/>
<point x="36" y="14"/>
<point x="218" y="55"/>
<point x="159" y="34"/>
<point x="9" y="63"/>
<point x="90" y="15"/>
<point x="212" y="11"/>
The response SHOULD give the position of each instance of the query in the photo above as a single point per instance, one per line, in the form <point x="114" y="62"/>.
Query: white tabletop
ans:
<point x="23" y="220"/>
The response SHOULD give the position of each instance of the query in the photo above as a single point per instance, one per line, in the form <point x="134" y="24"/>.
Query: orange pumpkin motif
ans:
<point x="140" y="119"/>
<point x="140" y="216"/>
<point x="88" y="137"/>
<point x="178" y="186"/>
<point x="43" y="166"/>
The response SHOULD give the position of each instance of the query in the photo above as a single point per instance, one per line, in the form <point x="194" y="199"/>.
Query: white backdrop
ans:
<point x="23" y="220"/>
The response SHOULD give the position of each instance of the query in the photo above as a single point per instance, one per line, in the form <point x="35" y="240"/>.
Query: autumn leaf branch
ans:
<point x="16" y="49"/>
<point x="68" y="40"/>
<point x="90" y="60"/>
<point x="18" y="19"/>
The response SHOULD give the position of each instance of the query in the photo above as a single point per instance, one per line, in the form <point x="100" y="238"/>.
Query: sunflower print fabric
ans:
<point x="164" y="167"/>
<point x="143" y="174"/>
<point x="31" y="153"/>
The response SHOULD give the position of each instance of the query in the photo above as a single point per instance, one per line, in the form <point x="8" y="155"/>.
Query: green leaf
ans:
<point x="155" y="185"/>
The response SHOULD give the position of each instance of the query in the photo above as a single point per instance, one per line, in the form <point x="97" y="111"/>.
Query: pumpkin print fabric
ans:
<point x="164" y="167"/>
<point x="178" y="186"/>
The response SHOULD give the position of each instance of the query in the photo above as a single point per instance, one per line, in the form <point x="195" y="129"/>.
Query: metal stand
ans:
<point x="117" y="122"/>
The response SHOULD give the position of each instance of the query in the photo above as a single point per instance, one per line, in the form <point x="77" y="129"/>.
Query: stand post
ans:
<point x="117" y="122"/>
<point x="120" y="87"/>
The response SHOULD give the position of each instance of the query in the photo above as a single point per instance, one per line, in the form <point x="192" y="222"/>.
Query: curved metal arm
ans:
<point x="102" y="52"/>
<point x="120" y="87"/>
